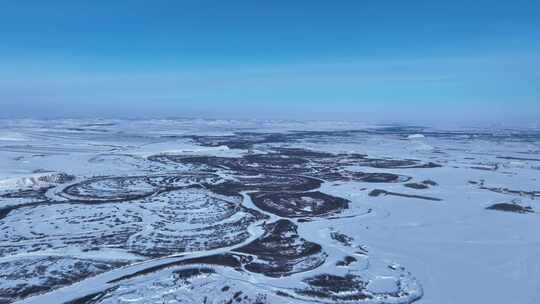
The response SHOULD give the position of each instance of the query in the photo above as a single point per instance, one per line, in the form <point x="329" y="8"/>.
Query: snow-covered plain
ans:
<point x="224" y="211"/>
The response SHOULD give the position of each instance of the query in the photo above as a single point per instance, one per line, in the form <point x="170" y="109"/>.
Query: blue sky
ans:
<point x="418" y="61"/>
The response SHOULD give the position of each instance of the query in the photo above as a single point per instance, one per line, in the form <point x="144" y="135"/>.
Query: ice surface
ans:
<point x="212" y="211"/>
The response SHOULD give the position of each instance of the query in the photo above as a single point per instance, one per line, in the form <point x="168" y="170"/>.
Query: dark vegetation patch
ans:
<point x="304" y="153"/>
<point x="421" y="185"/>
<point x="395" y="164"/>
<point x="486" y="167"/>
<point x="416" y="186"/>
<point x="335" y="288"/>
<point x="348" y="260"/>
<point x="183" y="275"/>
<point x="53" y="272"/>
<point x="379" y="177"/>
<point x="513" y="192"/>
<point x="279" y="252"/>
<point x="111" y="189"/>
<point x="378" y="192"/>
<point x="246" y="140"/>
<point x="266" y="183"/>
<point x="211" y="230"/>
<point x="282" y="252"/>
<point x="303" y="204"/>
<point x="92" y="298"/>
<point x="22" y="199"/>
<point x="241" y="140"/>
<point x="510" y="207"/>
<point x="251" y="164"/>
<point x="226" y="259"/>
<point x="342" y="238"/>
<point x="27" y="193"/>
<point x="297" y="161"/>
<point x="129" y="188"/>
<point x="518" y="158"/>
<point x="429" y="182"/>
<point x="274" y="161"/>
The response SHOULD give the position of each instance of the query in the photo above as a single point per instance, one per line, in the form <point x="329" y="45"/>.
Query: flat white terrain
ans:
<point x="223" y="211"/>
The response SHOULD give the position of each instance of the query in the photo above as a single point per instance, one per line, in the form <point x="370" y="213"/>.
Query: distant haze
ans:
<point x="374" y="61"/>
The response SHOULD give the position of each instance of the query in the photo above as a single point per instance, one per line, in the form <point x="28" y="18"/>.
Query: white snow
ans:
<point x="455" y="250"/>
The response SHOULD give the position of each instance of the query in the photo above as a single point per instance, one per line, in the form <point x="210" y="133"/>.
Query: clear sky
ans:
<point x="367" y="60"/>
